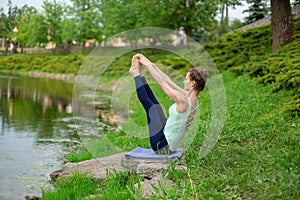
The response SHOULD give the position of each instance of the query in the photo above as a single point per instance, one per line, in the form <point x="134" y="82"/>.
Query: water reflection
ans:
<point x="35" y="133"/>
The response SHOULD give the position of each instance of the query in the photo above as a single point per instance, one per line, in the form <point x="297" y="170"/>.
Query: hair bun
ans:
<point x="204" y="73"/>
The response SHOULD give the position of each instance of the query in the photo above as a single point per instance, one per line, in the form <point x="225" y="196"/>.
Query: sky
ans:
<point x="35" y="3"/>
<point x="233" y="13"/>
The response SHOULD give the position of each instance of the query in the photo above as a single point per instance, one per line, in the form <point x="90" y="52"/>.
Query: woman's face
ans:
<point x="187" y="82"/>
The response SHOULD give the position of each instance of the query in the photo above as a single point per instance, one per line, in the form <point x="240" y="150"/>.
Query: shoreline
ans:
<point x="65" y="77"/>
<point x="35" y="74"/>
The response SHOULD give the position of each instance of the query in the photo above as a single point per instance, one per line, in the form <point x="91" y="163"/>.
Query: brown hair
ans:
<point x="199" y="76"/>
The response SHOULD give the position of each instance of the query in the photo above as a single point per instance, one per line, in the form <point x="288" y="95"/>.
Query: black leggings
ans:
<point x="155" y="115"/>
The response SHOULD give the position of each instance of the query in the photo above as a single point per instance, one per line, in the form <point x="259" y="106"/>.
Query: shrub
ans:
<point x="250" y="53"/>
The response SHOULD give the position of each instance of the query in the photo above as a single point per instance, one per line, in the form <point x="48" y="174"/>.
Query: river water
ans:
<point x="36" y="133"/>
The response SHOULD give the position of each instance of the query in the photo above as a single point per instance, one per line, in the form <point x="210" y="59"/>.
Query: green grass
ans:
<point x="256" y="156"/>
<point x="75" y="186"/>
<point x="81" y="186"/>
<point x="80" y="155"/>
<point x="120" y="186"/>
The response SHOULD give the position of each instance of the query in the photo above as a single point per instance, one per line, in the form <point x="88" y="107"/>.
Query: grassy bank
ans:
<point x="256" y="156"/>
<point x="47" y="63"/>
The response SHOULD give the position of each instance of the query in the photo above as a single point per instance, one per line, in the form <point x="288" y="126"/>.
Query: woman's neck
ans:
<point x="192" y="93"/>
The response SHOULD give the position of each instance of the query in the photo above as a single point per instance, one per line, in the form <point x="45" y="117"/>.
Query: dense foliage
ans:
<point x="79" y="21"/>
<point x="250" y="52"/>
<point x="63" y="64"/>
<point x="257" y="10"/>
<point x="243" y="52"/>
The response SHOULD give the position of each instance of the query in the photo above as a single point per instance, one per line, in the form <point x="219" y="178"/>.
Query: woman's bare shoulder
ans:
<point x="182" y="104"/>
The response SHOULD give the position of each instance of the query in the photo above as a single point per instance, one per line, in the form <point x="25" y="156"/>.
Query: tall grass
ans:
<point x="76" y="186"/>
<point x="82" y="186"/>
<point x="120" y="186"/>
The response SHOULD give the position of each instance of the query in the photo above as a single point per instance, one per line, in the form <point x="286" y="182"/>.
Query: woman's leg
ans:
<point x="155" y="116"/>
<point x="153" y="98"/>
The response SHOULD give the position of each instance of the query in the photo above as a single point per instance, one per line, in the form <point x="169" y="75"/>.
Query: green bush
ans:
<point x="42" y="63"/>
<point x="250" y="53"/>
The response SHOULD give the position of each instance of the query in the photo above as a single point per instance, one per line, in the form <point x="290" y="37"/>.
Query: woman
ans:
<point x="167" y="134"/>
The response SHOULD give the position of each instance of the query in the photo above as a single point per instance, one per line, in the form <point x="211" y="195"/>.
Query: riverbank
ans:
<point x="42" y="63"/>
<point x="63" y="77"/>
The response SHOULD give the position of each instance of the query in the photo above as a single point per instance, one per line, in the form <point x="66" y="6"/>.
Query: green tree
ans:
<point x="3" y="23"/>
<point x="37" y="29"/>
<point x="68" y="31"/>
<point x="15" y="31"/>
<point x="12" y="16"/>
<point x="21" y="35"/>
<point x="235" y="24"/>
<point x="118" y="16"/>
<point x="296" y="2"/>
<point x="86" y="16"/>
<point x="191" y="16"/>
<point x="54" y="17"/>
<point x="224" y="6"/>
<point x="257" y="10"/>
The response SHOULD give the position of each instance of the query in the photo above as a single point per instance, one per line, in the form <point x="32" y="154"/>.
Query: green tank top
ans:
<point x="175" y="126"/>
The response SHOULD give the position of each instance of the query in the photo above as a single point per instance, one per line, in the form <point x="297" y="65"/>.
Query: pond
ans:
<point x="36" y="133"/>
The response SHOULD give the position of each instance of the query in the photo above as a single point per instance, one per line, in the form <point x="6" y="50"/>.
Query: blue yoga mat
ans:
<point x="142" y="153"/>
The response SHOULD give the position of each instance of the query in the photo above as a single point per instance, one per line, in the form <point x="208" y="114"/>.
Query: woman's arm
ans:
<point x="167" y="85"/>
<point x="161" y="74"/>
<point x="168" y="80"/>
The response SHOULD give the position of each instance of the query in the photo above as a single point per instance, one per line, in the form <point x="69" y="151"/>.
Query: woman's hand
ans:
<point x="143" y="60"/>
<point x="135" y="62"/>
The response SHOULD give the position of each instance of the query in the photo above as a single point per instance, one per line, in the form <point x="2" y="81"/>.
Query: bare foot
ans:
<point x="134" y="70"/>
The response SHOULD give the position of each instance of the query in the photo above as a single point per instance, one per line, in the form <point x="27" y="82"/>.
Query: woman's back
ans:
<point x="175" y="127"/>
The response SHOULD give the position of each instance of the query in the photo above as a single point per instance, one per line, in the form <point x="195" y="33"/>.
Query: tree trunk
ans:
<point x="282" y="23"/>
<point x="222" y="21"/>
<point x="53" y="50"/>
<point x="14" y="49"/>
<point x="153" y="44"/>
<point x="189" y="32"/>
<point x="83" y="47"/>
<point x="6" y="47"/>
<point x="226" y="18"/>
